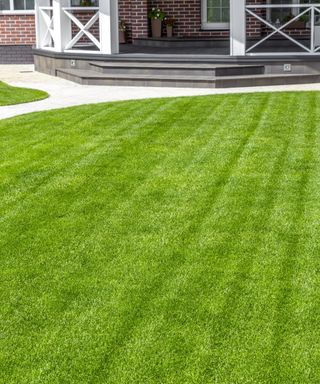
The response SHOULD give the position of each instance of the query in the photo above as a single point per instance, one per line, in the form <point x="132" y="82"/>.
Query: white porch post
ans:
<point x="42" y="37"/>
<point x="62" y="25"/>
<point x="109" y="29"/>
<point x="237" y="27"/>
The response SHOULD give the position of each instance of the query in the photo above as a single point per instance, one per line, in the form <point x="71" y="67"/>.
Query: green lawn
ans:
<point x="13" y="95"/>
<point x="162" y="241"/>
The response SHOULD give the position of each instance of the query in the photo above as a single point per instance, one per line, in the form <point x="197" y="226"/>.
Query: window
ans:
<point x="23" y="4"/>
<point x="4" y="5"/>
<point x="19" y="6"/>
<point x="215" y="14"/>
<point x="282" y="14"/>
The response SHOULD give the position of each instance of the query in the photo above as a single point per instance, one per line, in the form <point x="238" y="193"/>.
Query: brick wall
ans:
<point x="17" y="30"/>
<point x="254" y="26"/>
<point x="187" y="14"/>
<point x="134" y="14"/>
<point x="125" y="16"/>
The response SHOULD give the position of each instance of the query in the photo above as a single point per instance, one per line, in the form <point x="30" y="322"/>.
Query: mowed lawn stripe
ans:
<point x="165" y="249"/>
<point x="119" y="211"/>
<point x="44" y="162"/>
<point x="35" y="200"/>
<point x="196" y="170"/>
<point x="308" y="269"/>
<point x="251" y="196"/>
<point x="263" y="289"/>
<point x="289" y="300"/>
<point x="190" y="273"/>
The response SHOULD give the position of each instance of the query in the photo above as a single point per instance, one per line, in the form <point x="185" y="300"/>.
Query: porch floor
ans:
<point x="208" y="47"/>
<point x="182" y="50"/>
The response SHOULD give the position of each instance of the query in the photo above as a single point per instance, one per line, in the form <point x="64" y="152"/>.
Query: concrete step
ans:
<point x="175" y="69"/>
<point x="89" y="77"/>
<point x="266" y="80"/>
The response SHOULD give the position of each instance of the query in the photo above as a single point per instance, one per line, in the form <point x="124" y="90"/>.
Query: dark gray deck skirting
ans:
<point x="261" y="59"/>
<point x="149" y="69"/>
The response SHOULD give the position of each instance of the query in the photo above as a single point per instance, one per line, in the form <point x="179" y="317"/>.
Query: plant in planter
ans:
<point x="122" y="32"/>
<point x="306" y="20"/>
<point x="298" y="23"/>
<point x="156" y="15"/>
<point x="169" y="26"/>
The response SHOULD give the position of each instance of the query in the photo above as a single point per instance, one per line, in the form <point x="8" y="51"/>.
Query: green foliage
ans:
<point x="162" y="241"/>
<point x="157" y="14"/>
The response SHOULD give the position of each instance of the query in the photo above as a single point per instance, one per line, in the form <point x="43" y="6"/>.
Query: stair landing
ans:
<point x="180" y="74"/>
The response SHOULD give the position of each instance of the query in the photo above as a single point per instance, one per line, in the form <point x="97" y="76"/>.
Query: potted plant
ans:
<point x="122" y="32"/>
<point x="156" y="15"/>
<point x="298" y="23"/>
<point x="169" y="26"/>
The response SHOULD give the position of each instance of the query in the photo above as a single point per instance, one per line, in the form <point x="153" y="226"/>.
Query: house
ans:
<point x="17" y="31"/>
<point x="272" y="41"/>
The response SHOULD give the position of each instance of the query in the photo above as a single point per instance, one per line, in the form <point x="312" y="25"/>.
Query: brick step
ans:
<point x="175" y="68"/>
<point x="88" y="77"/>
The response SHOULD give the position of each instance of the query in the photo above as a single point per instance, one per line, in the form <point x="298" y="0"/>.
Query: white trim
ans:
<point x="54" y="26"/>
<point x="12" y="11"/>
<point x="61" y="24"/>
<point x="237" y="27"/>
<point x="109" y="26"/>
<point x="81" y="9"/>
<point x="308" y="7"/>
<point x="83" y="30"/>
<point x="215" y="26"/>
<point x="18" y="12"/>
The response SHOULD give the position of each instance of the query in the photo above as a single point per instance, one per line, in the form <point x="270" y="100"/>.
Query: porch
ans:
<point x="252" y="28"/>
<point x="70" y="38"/>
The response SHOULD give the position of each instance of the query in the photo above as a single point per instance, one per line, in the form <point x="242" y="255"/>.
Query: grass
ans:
<point x="12" y="95"/>
<point x="162" y="241"/>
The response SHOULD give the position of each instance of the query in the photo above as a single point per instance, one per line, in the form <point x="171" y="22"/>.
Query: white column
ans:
<point x="62" y="25"/>
<point x="42" y="37"/>
<point x="109" y="28"/>
<point x="237" y="27"/>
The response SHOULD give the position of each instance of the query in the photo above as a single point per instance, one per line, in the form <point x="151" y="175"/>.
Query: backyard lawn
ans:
<point x="162" y="241"/>
<point x="13" y="95"/>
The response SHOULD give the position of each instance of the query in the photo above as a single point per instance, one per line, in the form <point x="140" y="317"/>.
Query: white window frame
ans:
<point x="204" y="19"/>
<point x="13" y="11"/>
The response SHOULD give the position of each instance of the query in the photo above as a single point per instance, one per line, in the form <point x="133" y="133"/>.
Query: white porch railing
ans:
<point x="84" y="29"/>
<point x="47" y="36"/>
<point x="311" y="10"/>
<point x="61" y="27"/>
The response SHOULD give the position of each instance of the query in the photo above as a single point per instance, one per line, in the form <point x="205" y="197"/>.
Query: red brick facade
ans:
<point x="188" y="18"/>
<point x="134" y="14"/>
<point x="17" y="30"/>
<point x="187" y="14"/>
